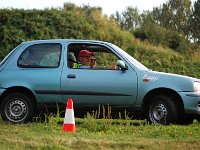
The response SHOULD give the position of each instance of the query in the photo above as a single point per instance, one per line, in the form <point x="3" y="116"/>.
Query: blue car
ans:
<point x="48" y="72"/>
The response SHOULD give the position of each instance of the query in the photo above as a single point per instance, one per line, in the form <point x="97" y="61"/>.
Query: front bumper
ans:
<point x="191" y="102"/>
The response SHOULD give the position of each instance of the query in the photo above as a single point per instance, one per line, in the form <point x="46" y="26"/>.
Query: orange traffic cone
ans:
<point x="69" y="121"/>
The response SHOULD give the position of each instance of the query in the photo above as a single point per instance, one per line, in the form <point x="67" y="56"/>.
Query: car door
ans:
<point x="39" y="69"/>
<point x="100" y="85"/>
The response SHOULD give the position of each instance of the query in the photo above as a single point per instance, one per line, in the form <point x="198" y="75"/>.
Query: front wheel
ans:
<point x="162" y="110"/>
<point x="198" y="118"/>
<point x="17" y="108"/>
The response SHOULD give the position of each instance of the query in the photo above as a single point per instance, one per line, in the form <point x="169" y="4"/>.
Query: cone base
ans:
<point x="69" y="128"/>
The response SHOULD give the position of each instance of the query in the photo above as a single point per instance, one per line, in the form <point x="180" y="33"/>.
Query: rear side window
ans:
<point x="41" y="56"/>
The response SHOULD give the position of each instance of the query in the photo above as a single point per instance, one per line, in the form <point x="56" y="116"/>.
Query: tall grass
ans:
<point x="98" y="130"/>
<point x="196" y="56"/>
<point x="117" y="136"/>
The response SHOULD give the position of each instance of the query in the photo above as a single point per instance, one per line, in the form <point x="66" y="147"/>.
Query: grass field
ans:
<point x="99" y="134"/>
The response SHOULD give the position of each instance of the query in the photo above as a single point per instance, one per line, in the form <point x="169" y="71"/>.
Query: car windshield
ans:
<point x="129" y="58"/>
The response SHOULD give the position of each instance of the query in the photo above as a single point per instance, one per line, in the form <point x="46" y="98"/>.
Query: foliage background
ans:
<point x="163" y="39"/>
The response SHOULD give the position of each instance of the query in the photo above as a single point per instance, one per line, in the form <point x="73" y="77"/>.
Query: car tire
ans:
<point x="162" y="110"/>
<point x="17" y="108"/>
<point x="185" y="120"/>
<point x="198" y="118"/>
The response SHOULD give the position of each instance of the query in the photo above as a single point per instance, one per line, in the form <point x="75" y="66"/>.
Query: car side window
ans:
<point x="45" y="55"/>
<point x="91" y="56"/>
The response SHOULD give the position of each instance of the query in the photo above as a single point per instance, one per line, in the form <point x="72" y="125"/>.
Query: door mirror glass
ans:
<point x="121" y="65"/>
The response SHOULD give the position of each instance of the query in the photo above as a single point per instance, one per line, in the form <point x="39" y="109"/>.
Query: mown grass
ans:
<point x="95" y="133"/>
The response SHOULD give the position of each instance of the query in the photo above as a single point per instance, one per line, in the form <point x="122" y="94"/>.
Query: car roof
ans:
<point x="76" y="45"/>
<point x="64" y="40"/>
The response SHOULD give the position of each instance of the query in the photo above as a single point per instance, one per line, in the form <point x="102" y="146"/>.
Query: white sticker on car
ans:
<point x="148" y="78"/>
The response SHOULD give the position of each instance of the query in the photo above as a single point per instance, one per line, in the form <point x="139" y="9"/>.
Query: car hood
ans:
<point x="168" y="80"/>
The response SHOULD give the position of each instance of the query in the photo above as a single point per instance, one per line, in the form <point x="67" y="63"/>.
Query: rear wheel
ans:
<point x="162" y="110"/>
<point x="17" y="108"/>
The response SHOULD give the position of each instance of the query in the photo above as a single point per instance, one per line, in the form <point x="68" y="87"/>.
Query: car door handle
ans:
<point x="71" y="76"/>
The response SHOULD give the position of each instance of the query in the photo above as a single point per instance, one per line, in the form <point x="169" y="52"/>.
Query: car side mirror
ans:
<point x="121" y="65"/>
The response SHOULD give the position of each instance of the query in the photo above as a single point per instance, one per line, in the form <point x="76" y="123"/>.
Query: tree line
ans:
<point x="69" y="22"/>
<point x="174" y="24"/>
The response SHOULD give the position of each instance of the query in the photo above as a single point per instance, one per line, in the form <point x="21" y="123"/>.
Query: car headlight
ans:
<point x="197" y="87"/>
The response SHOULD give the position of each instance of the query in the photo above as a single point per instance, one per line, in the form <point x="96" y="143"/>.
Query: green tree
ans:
<point x="175" y="15"/>
<point x="129" y="19"/>
<point x="195" y="22"/>
<point x="118" y="18"/>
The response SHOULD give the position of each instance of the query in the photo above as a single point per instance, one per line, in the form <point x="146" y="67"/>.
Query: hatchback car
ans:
<point x="47" y="72"/>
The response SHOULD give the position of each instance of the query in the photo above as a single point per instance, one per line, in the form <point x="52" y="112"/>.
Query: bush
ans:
<point x="161" y="36"/>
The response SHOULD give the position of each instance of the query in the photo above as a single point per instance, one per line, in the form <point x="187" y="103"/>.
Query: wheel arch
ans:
<point x="19" y="89"/>
<point x="162" y="91"/>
